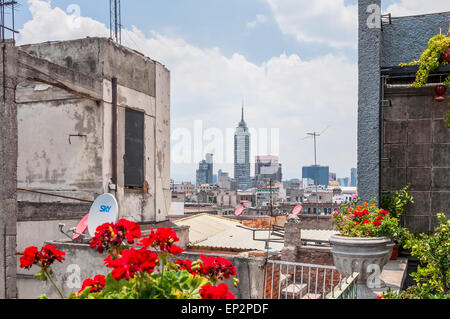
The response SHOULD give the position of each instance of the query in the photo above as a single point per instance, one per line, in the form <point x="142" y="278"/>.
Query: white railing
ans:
<point x="289" y="280"/>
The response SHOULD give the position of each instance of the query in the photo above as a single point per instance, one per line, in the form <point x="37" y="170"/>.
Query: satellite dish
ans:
<point x="239" y="210"/>
<point x="297" y="209"/>
<point x="81" y="227"/>
<point x="103" y="210"/>
<point x="246" y="203"/>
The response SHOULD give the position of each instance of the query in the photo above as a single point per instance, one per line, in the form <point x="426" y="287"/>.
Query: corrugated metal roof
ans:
<point x="219" y="232"/>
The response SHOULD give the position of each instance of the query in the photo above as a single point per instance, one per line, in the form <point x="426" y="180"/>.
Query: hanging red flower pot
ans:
<point x="440" y="91"/>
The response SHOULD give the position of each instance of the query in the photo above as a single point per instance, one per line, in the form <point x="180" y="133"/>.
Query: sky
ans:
<point x="293" y="63"/>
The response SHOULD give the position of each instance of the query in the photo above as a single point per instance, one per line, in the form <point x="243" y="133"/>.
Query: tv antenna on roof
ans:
<point x="115" y="21"/>
<point x="4" y="5"/>
<point x="316" y="177"/>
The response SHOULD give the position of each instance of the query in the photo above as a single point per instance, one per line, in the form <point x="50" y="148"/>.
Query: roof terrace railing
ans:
<point x="289" y="280"/>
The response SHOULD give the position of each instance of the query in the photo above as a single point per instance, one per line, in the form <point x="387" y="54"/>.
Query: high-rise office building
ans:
<point x="268" y="167"/>
<point x="242" y="155"/>
<point x="332" y="177"/>
<point x="344" y="181"/>
<point x="205" y="171"/>
<point x="353" y="177"/>
<point x="319" y="174"/>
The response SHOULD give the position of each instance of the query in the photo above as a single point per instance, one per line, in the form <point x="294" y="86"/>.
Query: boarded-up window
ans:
<point x="134" y="149"/>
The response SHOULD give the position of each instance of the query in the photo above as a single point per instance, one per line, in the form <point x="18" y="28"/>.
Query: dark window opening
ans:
<point x="134" y="149"/>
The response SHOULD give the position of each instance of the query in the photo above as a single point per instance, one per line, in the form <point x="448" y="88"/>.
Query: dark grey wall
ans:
<point x="407" y="37"/>
<point x="418" y="144"/>
<point x="369" y="58"/>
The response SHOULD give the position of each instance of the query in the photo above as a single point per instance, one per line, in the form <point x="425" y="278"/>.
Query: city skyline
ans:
<point x="262" y="48"/>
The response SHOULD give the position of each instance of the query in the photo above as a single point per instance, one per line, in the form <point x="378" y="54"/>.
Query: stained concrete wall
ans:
<point x="8" y="170"/>
<point x="83" y="168"/>
<point x="83" y="262"/>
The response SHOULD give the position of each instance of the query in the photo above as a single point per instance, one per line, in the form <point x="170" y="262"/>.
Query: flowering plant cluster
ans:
<point x="364" y="219"/>
<point x="109" y="236"/>
<point x="147" y="272"/>
<point x="42" y="258"/>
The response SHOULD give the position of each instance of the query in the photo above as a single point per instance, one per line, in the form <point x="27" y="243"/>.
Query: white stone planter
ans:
<point x="367" y="256"/>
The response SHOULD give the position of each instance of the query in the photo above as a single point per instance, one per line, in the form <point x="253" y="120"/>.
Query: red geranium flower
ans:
<point x="97" y="284"/>
<point x="29" y="257"/>
<point x="377" y="223"/>
<point x="111" y="235"/>
<point x="366" y="221"/>
<point x="217" y="268"/>
<point x="49" y="254"/>
<point x="216" y="292"/>
<point x="130" y="262"/>
<point x="383" y="212"/>
<point x="187" y="265"/>
<point x="162" y="238"/>
<point x="175" y="250"/>
<point x="131" y="230"/>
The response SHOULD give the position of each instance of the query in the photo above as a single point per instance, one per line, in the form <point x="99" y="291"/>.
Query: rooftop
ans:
<point x="208" y="231"/>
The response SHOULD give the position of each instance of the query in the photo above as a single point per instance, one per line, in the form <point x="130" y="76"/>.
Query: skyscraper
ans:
<point x="268" y="167"/>
<point x="242" y="155"/>
<point x="353" y="177"/>
<point x="205" y="171"/>
<point x="323" y="174"/>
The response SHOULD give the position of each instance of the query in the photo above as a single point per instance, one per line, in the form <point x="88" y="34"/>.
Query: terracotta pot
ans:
<point x="445" y="56"/>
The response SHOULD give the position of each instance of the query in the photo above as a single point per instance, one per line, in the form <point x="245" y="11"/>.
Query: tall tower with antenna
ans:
<point x="242" y="154"/>
<point x="115" y="20"/>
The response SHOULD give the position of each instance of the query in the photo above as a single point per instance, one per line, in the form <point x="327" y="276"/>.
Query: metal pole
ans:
<point x="316" y="176"/>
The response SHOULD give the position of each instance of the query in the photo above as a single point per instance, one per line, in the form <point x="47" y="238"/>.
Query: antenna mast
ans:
<point x="316" y="177"/>
<point x="4" y="5"/>
<point x="115" y="21"/>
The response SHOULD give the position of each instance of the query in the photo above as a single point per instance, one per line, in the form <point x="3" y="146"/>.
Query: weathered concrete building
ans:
<point x="112" y="136"/>
<point x="78" y="119"/>
<point x="402" y="138"/>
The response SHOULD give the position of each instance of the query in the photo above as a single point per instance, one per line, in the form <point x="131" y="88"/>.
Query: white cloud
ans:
<point x="285" y="92"/>
<point x="416" y="7"/>
<point x="323" y="21"/>
<point x="260" y="19"/>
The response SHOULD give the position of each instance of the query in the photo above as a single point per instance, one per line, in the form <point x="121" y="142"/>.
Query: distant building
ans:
<point x="242" y="155"/>
<point x="353" y="177"/>
<point x="332" y="177"/>
<point x="189" y="189"/>
<point x="268" y="168"/>
<point x="224" y="181"/>
<point x="266" y="195"/>
<point x="307" y="182"/>
<point x="345" y="181"/>
<point x="319" y="174"/>
<point x="205" y="171"/>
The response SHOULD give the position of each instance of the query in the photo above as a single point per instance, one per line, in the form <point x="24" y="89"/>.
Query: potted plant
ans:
<point x="364" y="243"/>
<point x="395" y="204"/>
<point x="149" y="272"/>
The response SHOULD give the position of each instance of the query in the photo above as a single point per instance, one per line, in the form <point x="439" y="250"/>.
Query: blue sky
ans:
<point x="292" y="61"/>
